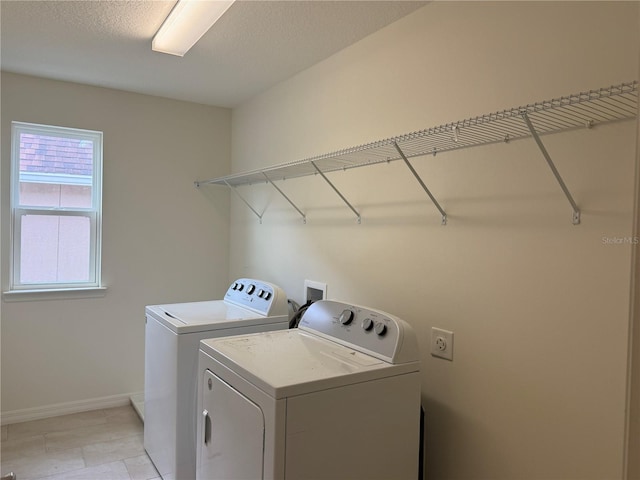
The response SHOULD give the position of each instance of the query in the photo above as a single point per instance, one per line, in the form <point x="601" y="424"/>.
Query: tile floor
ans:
<point x="97" y="445"/>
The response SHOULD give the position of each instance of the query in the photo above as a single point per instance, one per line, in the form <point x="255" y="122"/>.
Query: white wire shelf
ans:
<point x="580" y="110"/>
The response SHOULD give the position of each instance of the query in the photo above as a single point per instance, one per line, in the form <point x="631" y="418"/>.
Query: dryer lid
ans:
<point x="295" y="362"/>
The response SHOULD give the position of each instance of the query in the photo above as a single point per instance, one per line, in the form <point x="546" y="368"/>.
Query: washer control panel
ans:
<point x="257" y="295"/>
<point x="367" y="330"/>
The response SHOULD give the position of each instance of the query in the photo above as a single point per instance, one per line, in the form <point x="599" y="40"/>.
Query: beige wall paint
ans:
<point x="633" y="434"/>
<point x="539" y="307"/>
<point x="633" y="448"/>
<point x="163" y="239"/>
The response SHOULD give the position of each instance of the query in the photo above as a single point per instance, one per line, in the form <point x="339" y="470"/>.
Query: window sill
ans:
<point x="53" y="294"/>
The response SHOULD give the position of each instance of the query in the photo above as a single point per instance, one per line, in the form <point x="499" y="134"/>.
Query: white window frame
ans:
<point x="94" y="213"/>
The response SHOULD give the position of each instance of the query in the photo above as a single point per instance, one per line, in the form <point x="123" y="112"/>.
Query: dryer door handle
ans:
<point x="207" y="427"/>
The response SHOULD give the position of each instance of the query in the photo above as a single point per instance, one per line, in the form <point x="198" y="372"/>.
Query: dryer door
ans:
<point x="232" y="441"/>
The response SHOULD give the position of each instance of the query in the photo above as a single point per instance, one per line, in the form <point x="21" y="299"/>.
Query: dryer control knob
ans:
<point x="346" y="317"/>
<point x="367" y="324"/>
<point x="381" y="328"/>
<point x="251" y="288"/>
<point x="260" y="293"/>
<point x="267" y="295"/>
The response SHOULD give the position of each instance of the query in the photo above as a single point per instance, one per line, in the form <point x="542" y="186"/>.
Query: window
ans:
<point x="56" y="197"/>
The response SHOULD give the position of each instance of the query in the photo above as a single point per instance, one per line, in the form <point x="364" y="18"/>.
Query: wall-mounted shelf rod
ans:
<point x="572" y="112"/>
<point x="245" y="201"/>
<point x="337" y="191"/>
<point x="554" y="170"/>
<point x="424" y="187"/>
<point x="304" y="217"/>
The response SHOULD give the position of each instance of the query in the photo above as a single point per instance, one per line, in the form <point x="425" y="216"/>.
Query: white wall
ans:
<point x="163" y="239"/>
<point x="539" y="307"/>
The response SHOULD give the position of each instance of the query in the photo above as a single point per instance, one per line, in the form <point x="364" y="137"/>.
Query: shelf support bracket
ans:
<point x="554" y="170"/>
<point x="235" y="190"/>
<point x="424" y="187"/>
<point x="304" y="218"/>
<point x="337" y="191"/>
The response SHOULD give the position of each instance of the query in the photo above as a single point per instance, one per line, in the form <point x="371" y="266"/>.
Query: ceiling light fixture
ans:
<point x="186" y="24"/>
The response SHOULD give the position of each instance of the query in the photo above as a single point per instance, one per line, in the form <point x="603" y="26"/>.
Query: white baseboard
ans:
<point x="37" y="413"/>
<point x="137" y="402"/>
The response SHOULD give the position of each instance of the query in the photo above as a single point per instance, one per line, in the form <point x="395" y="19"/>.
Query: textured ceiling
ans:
<point x="255" y="45"/>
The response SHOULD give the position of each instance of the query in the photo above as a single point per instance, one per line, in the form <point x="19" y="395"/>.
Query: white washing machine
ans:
<point x="172" y="335"/>
<point x="337" y="398"/>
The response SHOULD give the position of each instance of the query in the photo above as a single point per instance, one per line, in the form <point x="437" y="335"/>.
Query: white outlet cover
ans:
<point x="441" y="343"/>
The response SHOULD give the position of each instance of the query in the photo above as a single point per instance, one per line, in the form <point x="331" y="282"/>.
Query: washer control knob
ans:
<point x="381" y="329"/>
<point x="260" y="293"/>
<point x="240" y="287"/>
<point x="367" y="324"/>
<point x="267" y="295"/>
<point x="346" y="317"/>
<point x="251" y="288"/>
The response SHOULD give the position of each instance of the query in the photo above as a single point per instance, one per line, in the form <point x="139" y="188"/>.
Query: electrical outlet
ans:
<point x="442" y="343"/>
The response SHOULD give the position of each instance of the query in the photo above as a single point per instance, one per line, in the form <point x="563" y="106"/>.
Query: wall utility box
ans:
<point x="314" y="290"/>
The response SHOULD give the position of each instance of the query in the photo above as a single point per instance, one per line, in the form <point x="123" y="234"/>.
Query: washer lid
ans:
<point x="208" y="315"/>
<point x="294" y="362"/>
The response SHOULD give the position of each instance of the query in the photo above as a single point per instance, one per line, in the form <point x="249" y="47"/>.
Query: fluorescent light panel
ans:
<point x="186" y="24"/>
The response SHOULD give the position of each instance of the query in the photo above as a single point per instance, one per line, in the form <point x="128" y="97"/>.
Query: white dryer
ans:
<point x="337" y="398"/>
<point x="172" y="335"/>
